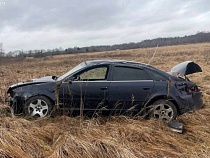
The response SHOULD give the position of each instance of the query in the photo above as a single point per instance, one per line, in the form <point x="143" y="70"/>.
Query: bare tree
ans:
<point x="1" y="50"/>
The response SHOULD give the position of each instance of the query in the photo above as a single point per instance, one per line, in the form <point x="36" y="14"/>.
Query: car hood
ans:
<point x="44" y="79"/>
<point x="34" y="81"/>
<point x="186" y="68"/>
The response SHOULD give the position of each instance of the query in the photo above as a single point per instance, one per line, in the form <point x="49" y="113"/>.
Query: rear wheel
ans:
<point x="164" y="110"/>
<point x="38" y="106"/>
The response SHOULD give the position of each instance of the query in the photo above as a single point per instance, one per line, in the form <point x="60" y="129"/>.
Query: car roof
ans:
<point x="127" y="63"/>
<point x="99" y="62"/>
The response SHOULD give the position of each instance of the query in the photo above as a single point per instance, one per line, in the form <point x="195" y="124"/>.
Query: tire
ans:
<point x="38" y="106"/>
<point x="164" y="110"/>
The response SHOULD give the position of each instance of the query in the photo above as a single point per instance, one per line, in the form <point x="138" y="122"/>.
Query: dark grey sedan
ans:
<point x="110" y="86"/>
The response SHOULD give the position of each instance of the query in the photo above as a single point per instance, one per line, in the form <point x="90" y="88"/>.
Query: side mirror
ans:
<point x="68" y="80"/>
<point x="76" y="78"/>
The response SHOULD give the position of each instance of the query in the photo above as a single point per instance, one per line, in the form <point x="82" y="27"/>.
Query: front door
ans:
<point x="88" y="90"/>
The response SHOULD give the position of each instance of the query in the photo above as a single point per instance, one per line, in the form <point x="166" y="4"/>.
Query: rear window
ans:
<point x="155" y="76"/>
<point x="122" y="73"/>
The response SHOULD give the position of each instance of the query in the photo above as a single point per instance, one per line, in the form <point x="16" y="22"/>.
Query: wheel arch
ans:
<point x="48" y="97"/>
<point x="159" y="97"/>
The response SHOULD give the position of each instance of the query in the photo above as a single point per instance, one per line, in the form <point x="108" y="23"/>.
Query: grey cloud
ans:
<point x="67" y="23"/>
<point x="64" y="14"/>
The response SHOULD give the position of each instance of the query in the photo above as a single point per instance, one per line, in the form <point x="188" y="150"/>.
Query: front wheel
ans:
<point x="164" y="110"/>
<point x="38" y="106"/>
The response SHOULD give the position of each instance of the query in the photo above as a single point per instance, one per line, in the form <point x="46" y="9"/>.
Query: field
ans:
<point x="117" y="137"/>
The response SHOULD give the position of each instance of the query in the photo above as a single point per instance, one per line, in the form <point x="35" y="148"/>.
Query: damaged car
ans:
<point x="113" y="86"/>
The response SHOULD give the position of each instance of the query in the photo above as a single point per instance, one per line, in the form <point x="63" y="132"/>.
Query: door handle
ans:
<point x="146" y="88"/>
<point x="104" y="88"/>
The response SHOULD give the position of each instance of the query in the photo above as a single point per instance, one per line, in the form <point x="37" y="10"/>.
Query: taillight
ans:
<point x="191" y="89"/>
<point x="188" y="87"/>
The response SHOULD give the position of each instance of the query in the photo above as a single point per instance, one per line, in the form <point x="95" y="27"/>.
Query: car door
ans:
<point x="129" y="88"/>
<point x="87" y="89"/>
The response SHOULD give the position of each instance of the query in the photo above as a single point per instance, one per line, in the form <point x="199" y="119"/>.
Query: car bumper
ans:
<point x="15" y="103"/>
<point x="191" y="102"/>
<point x="198" y="100"/>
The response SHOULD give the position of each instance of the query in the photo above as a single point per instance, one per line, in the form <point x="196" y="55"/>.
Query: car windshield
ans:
<point x="78" y="67"/>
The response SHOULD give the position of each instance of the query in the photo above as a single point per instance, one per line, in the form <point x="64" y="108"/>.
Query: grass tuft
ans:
<point x="105" y="137"/>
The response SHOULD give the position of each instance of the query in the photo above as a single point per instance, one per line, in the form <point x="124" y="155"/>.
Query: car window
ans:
<point x="155" y="76"/>
<point x="99" y="73"/>
<point x="122" y="73"/>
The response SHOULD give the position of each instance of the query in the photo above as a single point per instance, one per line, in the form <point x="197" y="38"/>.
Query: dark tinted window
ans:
<point x="155" y="76"/>
<point x="129" y="73"/>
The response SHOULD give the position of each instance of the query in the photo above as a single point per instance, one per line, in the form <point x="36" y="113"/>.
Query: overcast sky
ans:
<point x="47" y="24"/>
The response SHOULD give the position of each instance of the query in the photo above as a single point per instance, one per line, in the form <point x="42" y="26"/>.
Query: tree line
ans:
<point x="199" y="37"/>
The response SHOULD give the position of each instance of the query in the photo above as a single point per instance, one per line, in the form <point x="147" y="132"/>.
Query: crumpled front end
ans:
<point x="16" y="100"/>
<point x="18" y="94"/>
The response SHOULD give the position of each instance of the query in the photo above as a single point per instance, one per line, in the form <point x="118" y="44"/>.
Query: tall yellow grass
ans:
<point x="120" y="136"/>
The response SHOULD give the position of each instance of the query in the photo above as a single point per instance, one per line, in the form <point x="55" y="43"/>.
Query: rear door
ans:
<point x="129" y="88"/>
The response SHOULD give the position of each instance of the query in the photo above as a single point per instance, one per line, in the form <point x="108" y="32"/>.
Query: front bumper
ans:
<point x="16" y="104"/>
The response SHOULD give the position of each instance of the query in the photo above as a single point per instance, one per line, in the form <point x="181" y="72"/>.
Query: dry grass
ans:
<point x="105" y="137"/>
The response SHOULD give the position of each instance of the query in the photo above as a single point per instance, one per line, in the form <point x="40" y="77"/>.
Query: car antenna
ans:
<point x="153" y="54"/>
